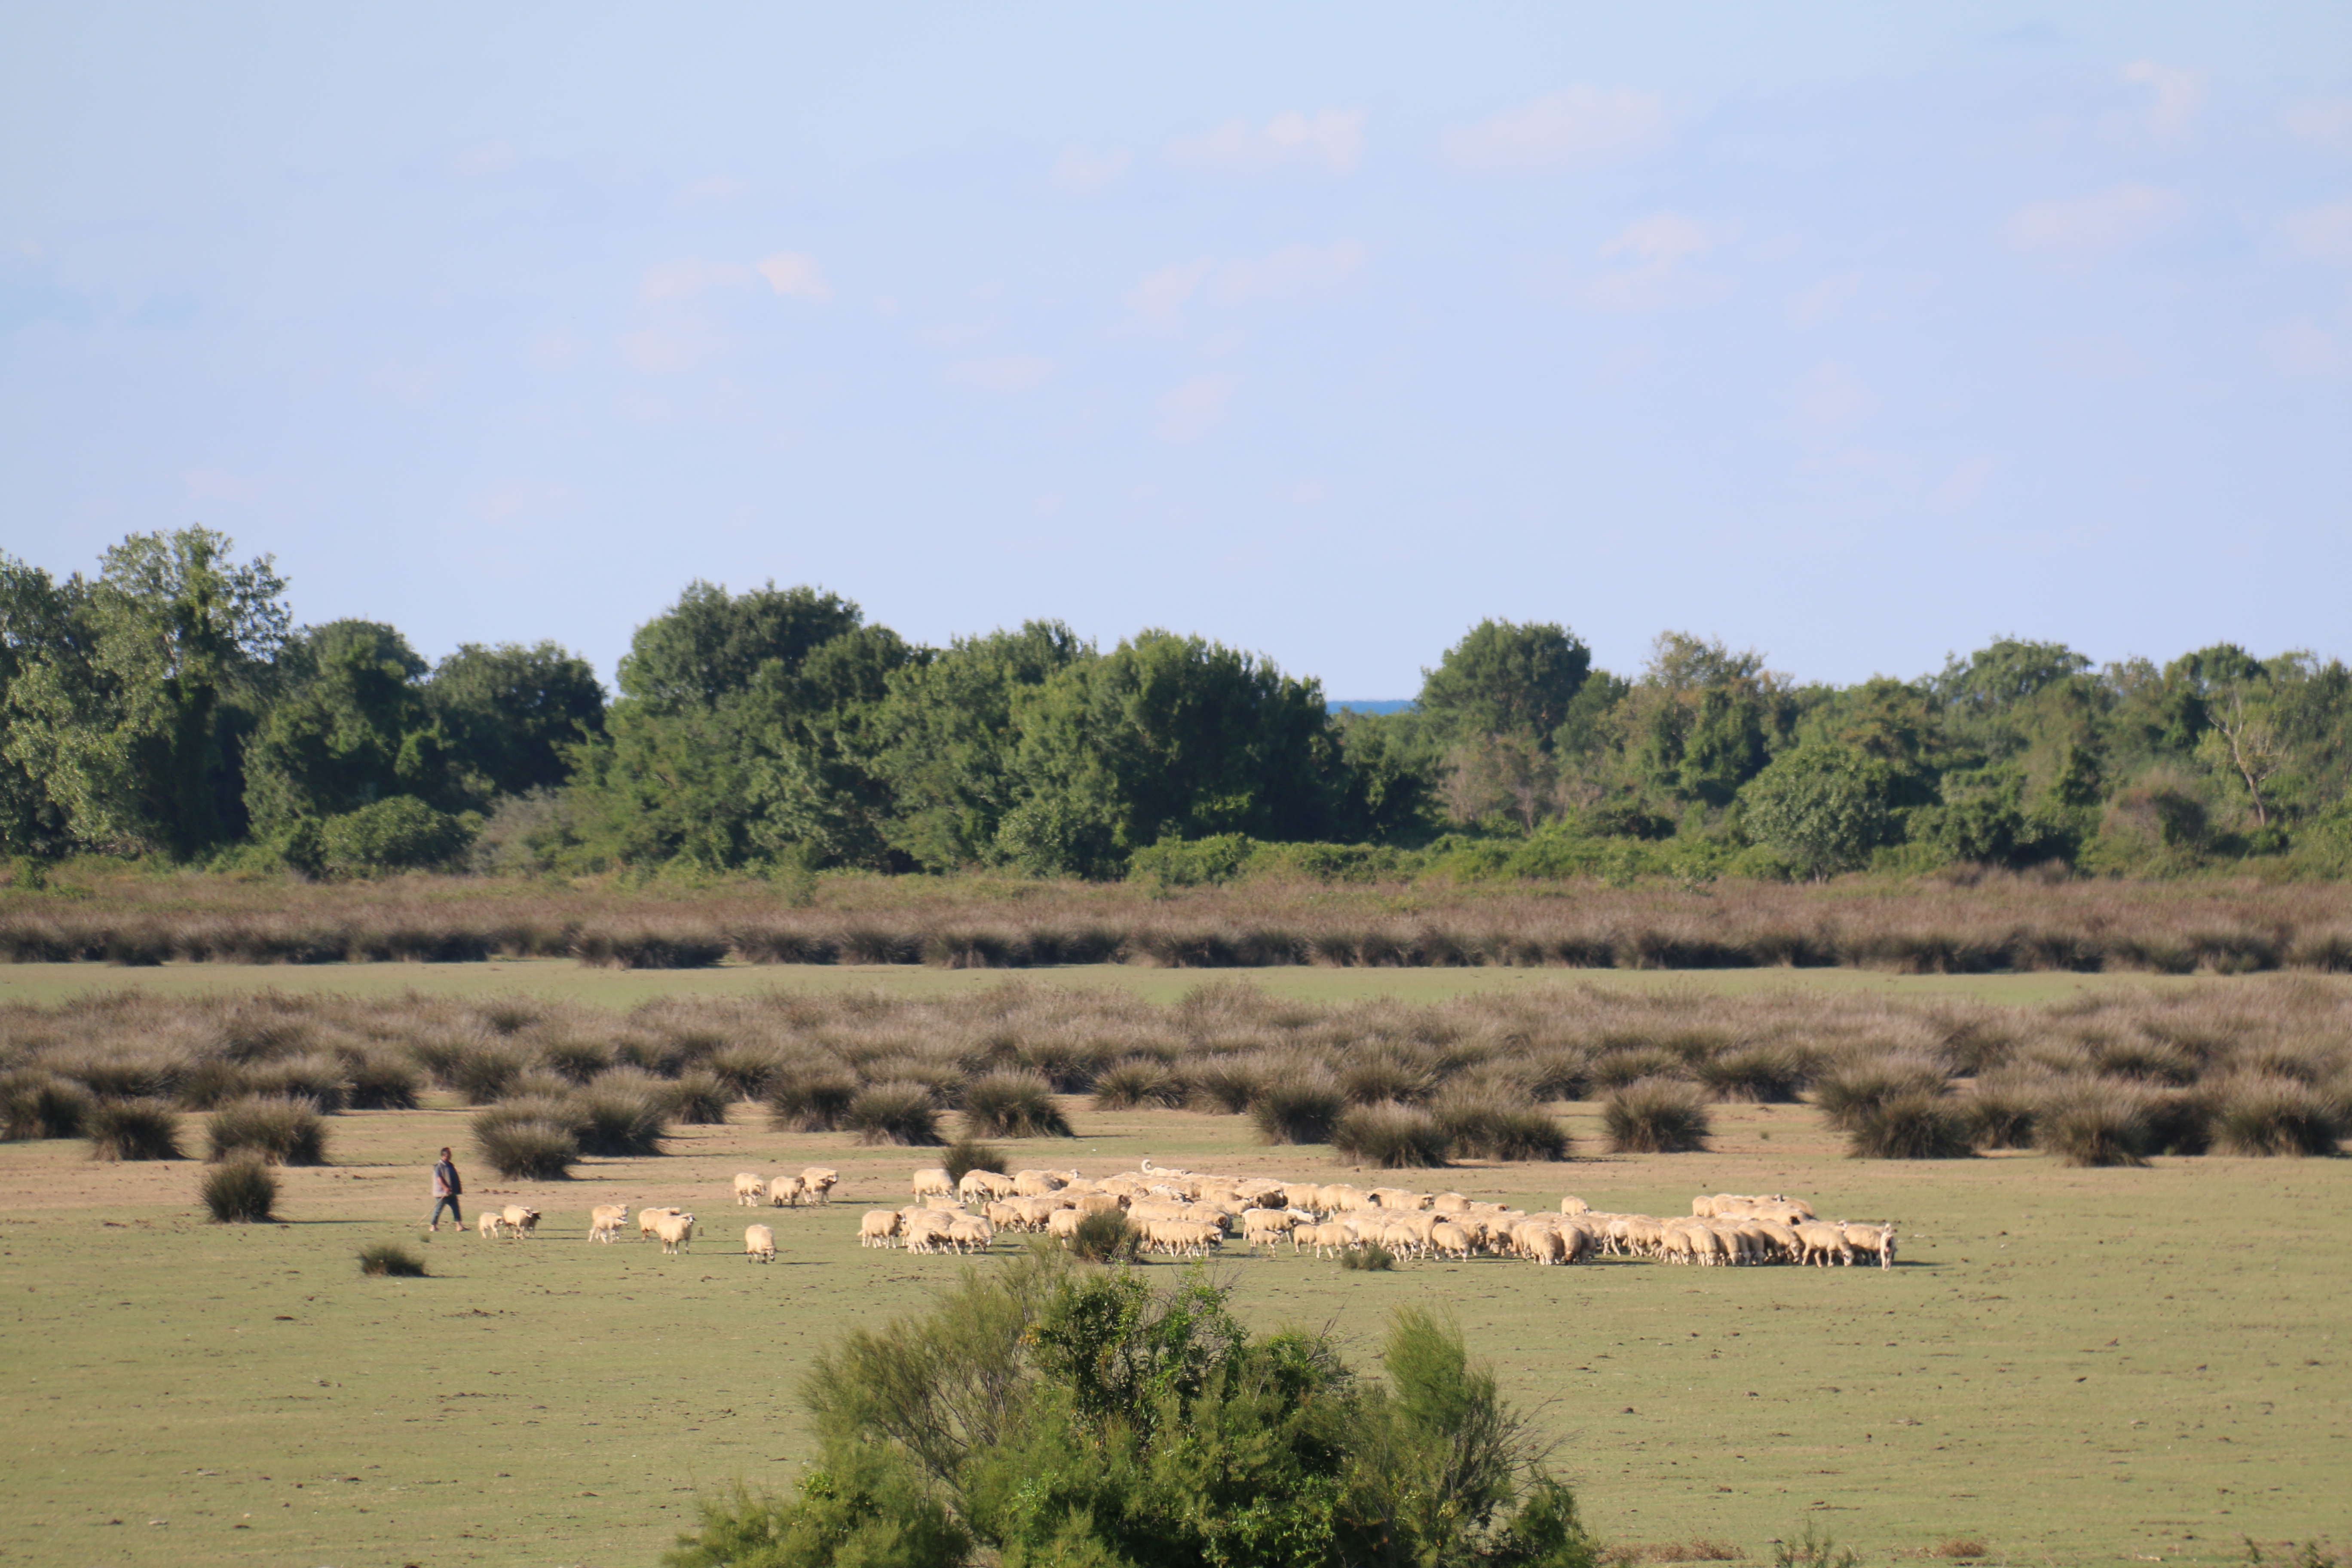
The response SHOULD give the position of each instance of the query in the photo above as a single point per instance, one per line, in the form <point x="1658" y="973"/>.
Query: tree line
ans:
<point x="170" y="707"/>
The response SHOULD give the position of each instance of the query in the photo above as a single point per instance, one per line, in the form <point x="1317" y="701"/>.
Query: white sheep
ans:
<point x="749" y="1188"/>
<point x="675" y="1230"/>
<point x="817" y="1182"/>
<point x="759" y="1243"/>
<point x="520" y="1220"/>
<point x="879" y="1227"/>
<point x="785" y="1192"/>
<point x="605" y="1220"/>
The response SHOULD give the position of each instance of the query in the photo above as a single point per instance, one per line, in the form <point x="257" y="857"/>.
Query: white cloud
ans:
<point x="998" y="374"/>
<point x="2083" y="228"/>
<point x="2324" y="123"/>
<point x="1083" y="172"/>
<point x="789" y="272"/>
<point x="2322" y="233"/>
<point x="1293" y="272"/>
<point x="1192" y="409"/>
<point x="1580" y="127"/>
<point x="1329" y="141"/>
<point x="1657" y="252"/>
<point x="1665" y="239"/>
<point x="2179" y="94"/>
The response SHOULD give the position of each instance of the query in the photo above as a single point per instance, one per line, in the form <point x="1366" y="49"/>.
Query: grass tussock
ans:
<point x="966" y="1155"/>
<point x="1961" y="1548"/>
<point x="1139" y="1083"/>
<point x="2275" y="1116"/>
<point x="527" y="1145"/>
<point x="1373" y="1256"/>
<point x="239" y="1192"/>
<point x="900" y="1113"/>
<point x="1496" y="1124"/>
<point x="1106" y="1237"/>
<point x="1301" y="1110"/>
<point x="1655" y="1116"/>
<point x="2090" y="1121"/>
<point x="1013" y="1104"/>
<point x="276" y="1130"/>
<point x="36" y="1105"/>
<point x="385" y="1259"/>
<point x="134" y="1130"/>
<point x="1390" y="1136"/>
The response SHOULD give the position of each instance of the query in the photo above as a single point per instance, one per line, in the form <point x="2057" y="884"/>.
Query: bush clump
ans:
<point x="1299" y="1111"/>
<point x="526" y="1148"/>
<point x="2264" y="1116"/>
<point x="900" y="1112"/>
<point x="1371" y="1256"/>
<point x="966" y="1155"/>
<point x="1851" y="1092"/>
<point x="618" y="1120"/>
<point x="2005" y="1108"/>
<point x="390" y="1260"/>
<point x="1138" y="1083"/>
<point x="240" y="1192"/>
<point x="1390" y="1135"/>
<point x="1655" y="1116"/>
<point x="701" y="1098"/>
<point x="1106" y="1237"/>
<point x="381" y="1081"/>
<point x="38" y="1105"/>
<point x="134" y="1130"/>
<point x="1493" y="1125"/>
<point x="279" y="1129"/>
<point x="1013" y="1104"/>
<point x="810" y="1100"/>
<point x="2094" y="1122"/>
<point x="1914" y="1125"/>
<point x="1765" y="1075"/>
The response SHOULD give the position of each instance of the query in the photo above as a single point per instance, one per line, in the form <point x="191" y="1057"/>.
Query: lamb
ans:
<point x="1822" y="1244"/>
<point x="749" y="1188"/>
<point x="1877" y="1240"/>
<point x="759" y="1243"/>
<point x="785" y="1192"/>
<point x="520" y="1220"/>
<point x="933" y="1179"/>
<point x="927" y="1230"/>
<point x="1573" y="1205"/>
<point x="1266" y="1226"/>
<point x="605" y="1220"/>
<point x="817" y="1183"/>
<point x="492" y="1225"/>
<point x="675" y="1230"/>
<point x="879" y="1227"/>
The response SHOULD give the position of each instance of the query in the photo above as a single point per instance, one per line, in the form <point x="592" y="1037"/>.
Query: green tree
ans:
<point x="352" y="727"/>
<point x="1504" y="678"/>
<point x="511" y="715"/>
<point x="1821" y="806"/>
<point x="1703" y="719"/>
<point x="711" y="644"/>
<point x="41" y="622"/>
<point x="136" y="727"/>
<point x="816" y="781"/>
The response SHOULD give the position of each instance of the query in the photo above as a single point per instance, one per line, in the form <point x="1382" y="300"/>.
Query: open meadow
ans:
<point x="2066" y="1366"/>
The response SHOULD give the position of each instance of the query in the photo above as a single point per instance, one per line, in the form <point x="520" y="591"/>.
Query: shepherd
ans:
<point x="445" y="1189"/>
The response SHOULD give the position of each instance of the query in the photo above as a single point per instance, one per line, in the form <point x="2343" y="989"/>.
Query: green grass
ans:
<point x="2075" y="1366"/>
<point x="49" y="983"/>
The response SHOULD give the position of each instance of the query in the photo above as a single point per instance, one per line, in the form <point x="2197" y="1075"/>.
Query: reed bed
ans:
<point x="1930" y="926"/>
<point x="2260" y="1067"/>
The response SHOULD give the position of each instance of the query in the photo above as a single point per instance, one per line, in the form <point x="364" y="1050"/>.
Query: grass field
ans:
<point x="2072" y="1367"/>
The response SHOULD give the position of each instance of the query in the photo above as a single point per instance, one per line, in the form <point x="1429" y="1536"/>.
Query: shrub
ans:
<point x="1138" y="1082"/>
<point x="1383" y="1079"/>
<point x="1489" y="1125"/>
<point x="2005" y="1108"/>
<point x="810" y="1100"/>
<point x="1228" y="1084"/>
<point x="1106" y="1237"/>
<point x="1614" y="1070"/>
<point x="618" y="1120"/>
<point x="1390" y="1136"/>
<point x="576" y="1058"/>
<point x="390" y="836"/>
<point x="2094" y="1121"/>
<point x="525" y="1149"/>
<point x="1813" y="1552"/>
<point x="1767" y="1074"/>
<point x="2273" y="1116"/>
<point x="239" y="1192"/>
<point x="134" y="1130"/>
<point x="1014" y="1105"/>
<point x="1961" y="1546"/>
<point x="1915" y="1125"/>
<point x="965" y="1156"/>
<point x="34" y="1105"/>
<point x="485" y="1073"/>
<point x="901" y="1114"/>
<point x="745" y="1071"/>
<point x="1655" y="1116"/>
<point x="2179" y="1121"/>
<point x="1371" y="1256"/>
<point x="388" y="1259"/>
<point x="382" y="1081"/>
<point x="700" y="1099"/>
<point x="276" y="1129"/>
<point x="1301" y="1110"/>
<point x="642" y="949"/>
<point x="320" y="1077"/>
<point x="1852" y="1090"/>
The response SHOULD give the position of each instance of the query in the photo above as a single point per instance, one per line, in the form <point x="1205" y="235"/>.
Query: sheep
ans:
<point x="1037" y="1184"/>
<point x="605" y="1220"/>
<point x="1064" y="1223"/>
<point x="785" y="1192"/>
<point x="1822" y="1244"/>
<point x="933" y="1179"/>
<point x="1877" y="1240"/>
<point x="675" y="1230"/>
<point x="1100" y="1203"/>
<point x="926" y="1229"/>
<point x="1450" y="1241"/>
<point x="879" y="1227"/>
<point x="1398" y="1198"/>
<point x="1573" y="1205"/>
<point x="521" y="1221"/>
<point x="1541" y="1244"/>
<point x="1265" y="1225"/>
<point x="759" y="1243"/>
<point x="817" y="1182"/>
<point x="649" y="1221"/>
<point x="970" y="1233"/>
<point x="492" y="1225"/>
<point x="749" y="1188"/>
<point x="984" y="1184"/>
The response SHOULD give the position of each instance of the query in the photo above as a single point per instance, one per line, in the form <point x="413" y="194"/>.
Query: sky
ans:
<point x="1858" y="334"/>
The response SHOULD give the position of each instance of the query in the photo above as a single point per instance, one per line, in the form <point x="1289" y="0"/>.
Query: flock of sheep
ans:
<point x="1183" y="1214"/>
<point x="1180" y="1213"/>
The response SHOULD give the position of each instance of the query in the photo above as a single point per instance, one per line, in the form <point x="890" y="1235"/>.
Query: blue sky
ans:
<point x="1854" y="334"/>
